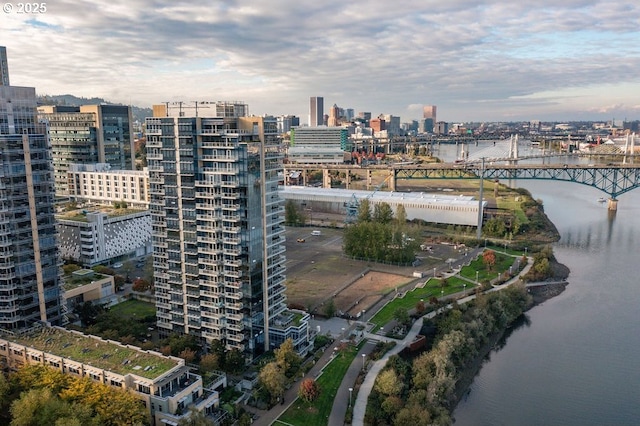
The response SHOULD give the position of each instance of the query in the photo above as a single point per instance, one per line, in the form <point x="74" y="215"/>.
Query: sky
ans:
<point x="475" y="60"/>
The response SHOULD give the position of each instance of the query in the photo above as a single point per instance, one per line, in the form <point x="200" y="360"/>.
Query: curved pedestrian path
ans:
<point x="360" y="404"/>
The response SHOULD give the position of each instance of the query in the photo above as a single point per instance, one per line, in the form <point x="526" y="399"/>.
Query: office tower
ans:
<point x="334" y="116"/>
<point x="29" y="267"/>
<point x="429" y="111"/>
<point x="219" y="257"/>
<point x="4" y="66"/>
<point x="286" y="122"/>
<point x="88" y="134"/>
<point x="316" y="111"/>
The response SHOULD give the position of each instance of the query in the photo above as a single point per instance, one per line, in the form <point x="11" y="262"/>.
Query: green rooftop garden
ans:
<point x="97" y="353"/>
<point x="72" y="281"/>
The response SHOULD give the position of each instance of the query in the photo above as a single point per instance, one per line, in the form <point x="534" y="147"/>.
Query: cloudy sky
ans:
<point x="476" y="60"/>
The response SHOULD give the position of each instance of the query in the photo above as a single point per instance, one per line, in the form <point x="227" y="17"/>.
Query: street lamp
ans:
<point x="350" y="391"/>
<point x="434" y="272"/>
<point x="525" y="251"/>
<point x="477" y="272"/>
<point x="363" y="357"/>
<point x="485" y="243"/>
<point x="464" y="288"/>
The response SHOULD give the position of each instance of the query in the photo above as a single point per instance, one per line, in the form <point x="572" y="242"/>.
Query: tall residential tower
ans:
<point x="29" y="267"/>
<point x="218" y="235"/>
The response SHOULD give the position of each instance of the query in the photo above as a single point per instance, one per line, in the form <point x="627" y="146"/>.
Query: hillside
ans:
<point x="138" y="113"/>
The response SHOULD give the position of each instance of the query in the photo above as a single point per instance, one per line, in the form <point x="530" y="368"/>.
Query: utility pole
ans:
<point x="480" y="212"/>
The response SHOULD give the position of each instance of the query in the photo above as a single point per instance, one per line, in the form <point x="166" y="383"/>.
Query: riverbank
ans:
<point x="539" y="295"/>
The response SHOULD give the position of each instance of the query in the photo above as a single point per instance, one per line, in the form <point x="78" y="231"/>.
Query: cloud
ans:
<point x="475" y="60"/>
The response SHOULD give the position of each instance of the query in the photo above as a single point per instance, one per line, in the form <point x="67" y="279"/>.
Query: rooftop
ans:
<point x="423" y="198"/>
<point x="80" y="215"/>
<point x="80" y="278"/>
<point x="97" y="353"/>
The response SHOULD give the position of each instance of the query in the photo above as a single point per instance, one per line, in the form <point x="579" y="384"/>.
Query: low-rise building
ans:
<point x="164" y="383"/>
<point x="86" y="285"/>
<point x="102" y="234"/>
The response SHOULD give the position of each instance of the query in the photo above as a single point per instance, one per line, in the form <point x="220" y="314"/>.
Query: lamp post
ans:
<point x="477" y="272"/>
<point x="434" y="272"/>
<point x="525" y="251"/>
<point x="464" y="288"/>
<point x="485" y="243"/>
<point x="363" y="358"/>
<point x="350" y="391"/>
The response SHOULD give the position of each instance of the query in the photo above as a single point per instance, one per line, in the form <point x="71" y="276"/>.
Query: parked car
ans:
<point x="117" y="265"/>
<point x="300" y="240"/>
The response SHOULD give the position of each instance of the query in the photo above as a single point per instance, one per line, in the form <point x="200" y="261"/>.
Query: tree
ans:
<point x="273" y="380"/>
<point x="330" y="308"/>
<point x="420" y="307"/>
<point x="364" y="211"/>
<point x="291" y="214"/>
<point x="188" y="355"/>
<point x="195" y="417"/>
<point x="309" y="390"/>
<point x="5" y="388"/>
<point x="489" y="259"/>
<point x="287" y="358"/>
<point x="234" y="361"/>
<point x="210" y="362"/>
<point x="401" y="315"/>
<point x="382" y="213"/>
<point x="388" y="383"/>
<point x="401" y="215"/>
<point x="141" y="285"/>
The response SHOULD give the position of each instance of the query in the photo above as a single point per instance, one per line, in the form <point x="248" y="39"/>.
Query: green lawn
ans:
<point x="432" y="288"/>
<point x="133" y="308"/>
<point x="316" y="413"/>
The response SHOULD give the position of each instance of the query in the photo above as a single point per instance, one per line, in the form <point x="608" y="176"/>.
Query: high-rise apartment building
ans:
<point x="217" y="228"/>
<point x="29" y="263"/>
<point x="88" y="134"/>
<point x="316" y="111"/>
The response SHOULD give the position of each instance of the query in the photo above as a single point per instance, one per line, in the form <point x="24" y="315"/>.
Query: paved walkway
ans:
<point x="360" y="404"/>
<point x="342" y="401"/>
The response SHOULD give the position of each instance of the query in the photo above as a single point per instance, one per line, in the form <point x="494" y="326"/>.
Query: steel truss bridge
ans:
<point x="614" y="180"/>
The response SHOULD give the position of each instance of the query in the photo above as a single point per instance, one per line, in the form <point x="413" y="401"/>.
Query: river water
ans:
<point x="576" y="358"/>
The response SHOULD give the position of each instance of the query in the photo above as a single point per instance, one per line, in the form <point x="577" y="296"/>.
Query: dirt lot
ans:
<point x="317" y="271"/>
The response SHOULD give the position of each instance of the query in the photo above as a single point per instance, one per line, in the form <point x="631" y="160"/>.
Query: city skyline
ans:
<point x="486" y="61"/>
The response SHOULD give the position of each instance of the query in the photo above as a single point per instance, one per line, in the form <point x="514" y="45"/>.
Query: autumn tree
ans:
<point x="388" y="383"/>
<point x="273" y="379"/>
<point x="141" y="285"/>
<point x="210" y="362"/>
<point x="489" y="259"/>
<point x="309" y="390"/>
<point x="287" y="358"/>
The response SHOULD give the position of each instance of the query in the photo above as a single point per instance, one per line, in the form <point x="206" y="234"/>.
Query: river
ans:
<point x="576" y="359"/>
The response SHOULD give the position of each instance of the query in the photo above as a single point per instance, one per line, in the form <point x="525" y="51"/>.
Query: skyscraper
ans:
<point x="316" y="111"/>
<point x="88" y="134"/>
<point x="219" y="257"/>
<point x="429" y="118"/>
<point x="4" y="67"/>
<point x="29" y="264"/>
<point x="334" y="116"/>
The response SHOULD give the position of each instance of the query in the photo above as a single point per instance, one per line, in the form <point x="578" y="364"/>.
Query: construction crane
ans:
<point x="353" y="204"/>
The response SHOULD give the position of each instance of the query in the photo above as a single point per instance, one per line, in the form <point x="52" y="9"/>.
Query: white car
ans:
<point x="117" y="265"/>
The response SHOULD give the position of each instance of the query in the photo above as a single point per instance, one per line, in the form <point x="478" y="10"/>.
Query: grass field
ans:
<point x="133" y="308"/>
<point x="316" y="413"/>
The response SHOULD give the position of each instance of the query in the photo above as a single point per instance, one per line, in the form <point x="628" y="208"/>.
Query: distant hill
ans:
<point x="138" y="113"/>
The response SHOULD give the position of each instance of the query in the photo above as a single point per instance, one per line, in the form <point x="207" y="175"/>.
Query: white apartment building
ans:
<point x="100" y="184"/>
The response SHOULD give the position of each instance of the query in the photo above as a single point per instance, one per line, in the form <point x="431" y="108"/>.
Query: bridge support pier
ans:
<point x="612" y="205"/>
<point x="326" y="178"/>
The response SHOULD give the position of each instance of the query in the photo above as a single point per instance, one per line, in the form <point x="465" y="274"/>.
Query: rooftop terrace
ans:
<point x="96" y="352"/>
